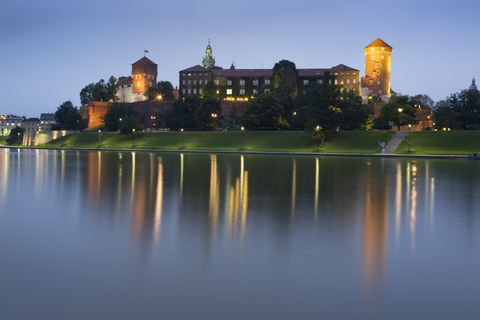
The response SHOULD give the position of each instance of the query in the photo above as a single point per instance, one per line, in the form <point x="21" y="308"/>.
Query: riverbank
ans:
<point x="441" y="143"/>
<point x="358" y="142"/>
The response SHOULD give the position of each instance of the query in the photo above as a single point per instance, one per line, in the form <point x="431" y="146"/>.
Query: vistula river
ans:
<point x="122" y="235"/>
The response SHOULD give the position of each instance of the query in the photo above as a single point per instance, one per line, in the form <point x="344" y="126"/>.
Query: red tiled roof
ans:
<point x="197" y="68"/>
<point x="342" y="67"/>
<point x="124" y="79"/>
<point x="145" y="60"/>
<point x="378" y="43"/>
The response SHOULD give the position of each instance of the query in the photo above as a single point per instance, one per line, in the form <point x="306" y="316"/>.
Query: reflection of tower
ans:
<point x="214" y="193"/>
<point x="208" y="61"/>
<point x="377" y="69"/>
<point x="375" y="229"/>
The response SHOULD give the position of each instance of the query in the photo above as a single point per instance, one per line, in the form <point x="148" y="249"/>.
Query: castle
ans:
<point x="133" y="88"/>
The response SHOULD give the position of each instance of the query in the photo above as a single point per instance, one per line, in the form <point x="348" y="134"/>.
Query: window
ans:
<point x="336" y="82"/>
<point x="319" y="81"/>
<point x="255" y="91"/>
<point x="194" y="74"/>
<point x="138" y="84"/>
<point x="354" y="74"/>
<point x="216" y="82"/>
<point x="183" y="74"/>
<point x="373" y="57"/>
<point x="242" y="82"/>
<point x="242" y="91"/>
<point x="330" y="81"/>
<point x="383" y="49"/>
<point x="255" y="82"/>
<point x="378" y="82"/>
<point x="189" y="82"/>
<point x="341" y="81"/>
<point x="200" y="91"/>
<point x="267" y="82"/>
<point x="318" y="72"/>
<point x="354" y="81"/>
<point x="183" y="82"/>
<point x="139" y="76"/>
<point x="348" y="73"/>
<point x="149" y="84"/>
<point x="378" y="72"/>
<point x="305" y="82"/>
<point x="194" y="82"/>
<point x="194" y="91"/>
<point x="200" y="74"/>
<point x="200" y="82"/>
<point x="267" y="90"/>
<point x="348" y="81"/>
<point x="229" y="91"/>
<point x="341" y="74"/>
<point x="229" y="82"/>
<point x="383" y="57"/>
<point x="189" y="91"/>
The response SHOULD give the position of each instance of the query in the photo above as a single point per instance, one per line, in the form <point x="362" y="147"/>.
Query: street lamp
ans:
<point x="243" y="129"/>
<point x="133" y="137"/>
<point x="409" y="126"/>
<point x="99" y="138"/>
<point x="294" y="114"/>
<point x="182" y="137"/>
<point x="399" y="117"/>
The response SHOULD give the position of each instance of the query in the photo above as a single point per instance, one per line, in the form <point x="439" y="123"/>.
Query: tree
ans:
<point x="445" y="117"/>
<point x="422" y="100"/>
<point x="284" y="78"/>
<point x="100" y="91"/>
<point x="16" y="136"/>
<point x="208" y="114"/>
<point x="116" y="114"/>
<point x="210" y="90"/>
<point x="164" y="89"/>
<point x="323" y="111"/>
<point x="130" y="124"/>
<point x="68" y="117"/>
<point x="182" y="113"/>
<point x="354" y="115"/>
<point x="265" y="112"/>
<point x="390" y="111"/>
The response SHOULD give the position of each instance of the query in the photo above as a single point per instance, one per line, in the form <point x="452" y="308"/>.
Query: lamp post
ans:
<point x="99" y="138"/>
<point x="133" y="137"/>
<point x="182" y="137"/>
<point x="294" y="114"/>
<point x="243" y="129"/>
<point x="409" y="126"/>
<point x="399" y="117"/>
<point x="316" y="132"/>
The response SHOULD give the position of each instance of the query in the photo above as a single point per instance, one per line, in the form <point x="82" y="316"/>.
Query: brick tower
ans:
<point x="144" y="76"/>
<point x="377" y="69"/>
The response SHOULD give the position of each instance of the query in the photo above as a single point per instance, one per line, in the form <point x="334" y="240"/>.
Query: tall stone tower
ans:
<point x="144" y="76"/>
<point x="208" y="61"/>
<point x="377" y="69"/>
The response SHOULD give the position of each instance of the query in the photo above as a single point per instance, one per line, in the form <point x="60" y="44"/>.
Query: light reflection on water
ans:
<point x="237" y="236"/>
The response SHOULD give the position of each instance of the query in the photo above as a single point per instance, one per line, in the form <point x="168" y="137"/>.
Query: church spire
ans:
<point x="208" y="61"/>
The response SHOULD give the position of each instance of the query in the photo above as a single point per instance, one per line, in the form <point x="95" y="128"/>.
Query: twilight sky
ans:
<point x="51" y="49"/>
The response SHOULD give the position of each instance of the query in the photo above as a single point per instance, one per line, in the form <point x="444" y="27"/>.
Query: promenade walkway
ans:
<point x="395" y="141"/>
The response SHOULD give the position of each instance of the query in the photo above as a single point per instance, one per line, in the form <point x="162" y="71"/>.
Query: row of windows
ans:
<point x="194" y="74"/>
<point x="382" y="57"/>
<point x="267" y="82"/>
<point x="305" y="82"/>
<point x="149" y="76"/>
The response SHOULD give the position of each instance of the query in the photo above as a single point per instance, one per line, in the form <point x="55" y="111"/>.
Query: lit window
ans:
<point x="255" y="91"/>
<point x="194" y="74"/>
<point x="139" y="76"/>
<point x="183" y="74"/>
<point x="383" y="49"/>
<point x="348" y="73"/>
<point x="138" y="83"/>
<point x="341" y="74"/>
<point x="229" y="82"/>
<point x="255" y="82"/>
<point x="242" y="82"/>
<point x="341" y="81"/>
<point x="242" y="91"/>
<point x="305" y="82"/>
<point x="267" y="82"/>
<point x="348" y="81"/>
<point x="330" y="81"/>
<point x="354" y="74"/>
<point x="229" y="91"/>
<point x="216" y="82"/>
<point x="336" y="82"/>
<point x="200" y="74"/>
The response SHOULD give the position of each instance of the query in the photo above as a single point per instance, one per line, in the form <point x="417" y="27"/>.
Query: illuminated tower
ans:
<point x="377" y="69"/>
<point x="144" y="76"/>
<point x="208" y="61"/>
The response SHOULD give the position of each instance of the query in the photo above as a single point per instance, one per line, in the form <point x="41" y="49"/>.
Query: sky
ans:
<point x="51" y="49"/>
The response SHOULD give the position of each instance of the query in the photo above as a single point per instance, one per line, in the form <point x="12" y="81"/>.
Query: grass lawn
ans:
<point x="441" y="142"/>
<point x="3" y="140"/>
<point x="269" y="141"/>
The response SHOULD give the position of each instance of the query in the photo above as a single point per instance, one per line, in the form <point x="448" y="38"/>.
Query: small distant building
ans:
<point x="46" y="121"/>
<point x="31" y="127"/>
<point x="7" y="123"/>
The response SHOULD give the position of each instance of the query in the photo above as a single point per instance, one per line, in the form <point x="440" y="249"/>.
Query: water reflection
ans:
<point x="214" y="224"/>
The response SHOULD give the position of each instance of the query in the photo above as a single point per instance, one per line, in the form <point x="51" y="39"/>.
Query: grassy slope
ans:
<point x="299" y="141"/>
<point x="442" y="142"/>
<point x="2" y="140"/>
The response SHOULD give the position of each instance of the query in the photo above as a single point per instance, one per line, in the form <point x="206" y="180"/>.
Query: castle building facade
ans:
<point x="242" y="84"/>
<point x="133" y="88"/>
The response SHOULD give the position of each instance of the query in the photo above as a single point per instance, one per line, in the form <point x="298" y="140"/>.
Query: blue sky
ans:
<point x="51" y="49"/>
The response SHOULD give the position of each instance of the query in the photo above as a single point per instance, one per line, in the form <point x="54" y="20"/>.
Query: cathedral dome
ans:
<point x="473" y="86"/>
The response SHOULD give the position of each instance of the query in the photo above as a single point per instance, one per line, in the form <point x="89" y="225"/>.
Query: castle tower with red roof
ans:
<point x="144" y="76"/>
<point x="377" y="70"/>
